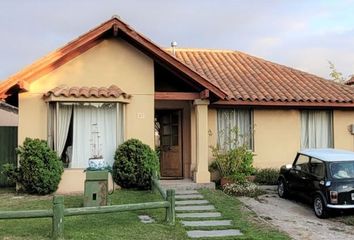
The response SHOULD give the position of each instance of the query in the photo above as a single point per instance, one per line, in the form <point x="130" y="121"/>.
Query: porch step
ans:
<point x="185" y="192"/>
<point x="185" y="184"/>
<point x="213" y="233"/>
<point x="207" y="223"/>
<point x="199" y="215"/>
<point x="191" y="202"/>
<point x="189" y="196"/>
<point x="195" y="208"/>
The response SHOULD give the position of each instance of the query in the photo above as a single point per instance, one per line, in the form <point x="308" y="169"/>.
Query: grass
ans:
<point x="124" y="225"/>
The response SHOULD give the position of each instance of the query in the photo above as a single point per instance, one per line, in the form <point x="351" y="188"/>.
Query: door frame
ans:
<point x="180" y="123"/>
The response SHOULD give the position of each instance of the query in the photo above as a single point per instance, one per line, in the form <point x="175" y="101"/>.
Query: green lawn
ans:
<point x="124" y="225"/>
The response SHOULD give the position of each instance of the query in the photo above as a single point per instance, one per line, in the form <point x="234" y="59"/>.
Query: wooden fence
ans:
<point x="58" y="212"/>
<point x="8" y="144"/>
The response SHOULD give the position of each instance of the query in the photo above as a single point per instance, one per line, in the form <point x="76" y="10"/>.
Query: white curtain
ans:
<point x="87" y="119"/>
<point x="316" y="129"/>
<point x="234" y="128"/>
<point x="62" y="127"/>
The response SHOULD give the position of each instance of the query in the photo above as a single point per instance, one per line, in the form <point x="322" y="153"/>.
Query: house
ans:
<point x="8" y="115"/>
<point x="113" y="83"/>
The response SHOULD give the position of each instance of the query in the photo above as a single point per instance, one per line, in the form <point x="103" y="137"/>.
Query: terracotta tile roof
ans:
<point x="350" y="81"/>
<point x="87" y="92"/>
<point x="248" y="78"/>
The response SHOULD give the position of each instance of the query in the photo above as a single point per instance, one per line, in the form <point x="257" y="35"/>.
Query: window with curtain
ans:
<point x="316" y="129"/>
<point x="235" y="128"/>
<point x="80" y="131"/>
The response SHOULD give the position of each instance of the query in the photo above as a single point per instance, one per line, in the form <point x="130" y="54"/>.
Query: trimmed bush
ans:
<point x="267" y="176"/>
<point x="247" y="189"/>
<point x="39" y="170"/>
<point x="135" y="163"/>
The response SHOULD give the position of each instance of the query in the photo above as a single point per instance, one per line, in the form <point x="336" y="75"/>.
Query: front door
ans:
<point x="170" y="142"/>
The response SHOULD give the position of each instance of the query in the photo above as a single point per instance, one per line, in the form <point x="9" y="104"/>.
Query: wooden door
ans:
<point x="170" y="143"/>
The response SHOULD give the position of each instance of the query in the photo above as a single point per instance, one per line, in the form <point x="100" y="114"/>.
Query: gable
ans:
<point x="111" y="28"/>
<point x="112" y="61"/>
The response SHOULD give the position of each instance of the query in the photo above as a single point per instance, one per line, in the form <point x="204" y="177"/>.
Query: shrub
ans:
<point x="247" y="189"/>
<point x="233" y="159"/>
<point x="267" y="176"/>
<point x="39" y="170"/>
<point x="234" y="164"/>
<point x="135" y="163"/>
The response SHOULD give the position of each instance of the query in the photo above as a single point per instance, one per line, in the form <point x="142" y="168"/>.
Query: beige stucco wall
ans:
<point x="277" y="134"/>
<point x="8" y="118"/>
<point x="276" y="137"/>
<point x="342" y="121"/>
<point x="111" y="62"/>
<point x="213" y="131"/>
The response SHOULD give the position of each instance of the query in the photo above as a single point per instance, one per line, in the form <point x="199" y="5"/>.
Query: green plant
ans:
<point x="246" y="188"/>
<point x="135" y="163"/>
<point x="267" y="176"/>
<point x="11" y="172"/>
<point x="233" y="163"/>
<point x="39" y="170"/>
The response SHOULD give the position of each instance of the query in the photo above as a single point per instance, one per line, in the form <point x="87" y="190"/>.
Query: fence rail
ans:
<point x="26" y="214"/>
<point x="156" y="185"/>
<point x="59" y="211"/>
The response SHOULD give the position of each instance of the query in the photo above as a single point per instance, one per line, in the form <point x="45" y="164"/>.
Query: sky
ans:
<point x="301" y="34"/>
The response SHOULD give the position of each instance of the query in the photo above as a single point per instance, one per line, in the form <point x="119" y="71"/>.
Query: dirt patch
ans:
<point x="297" y="219"/>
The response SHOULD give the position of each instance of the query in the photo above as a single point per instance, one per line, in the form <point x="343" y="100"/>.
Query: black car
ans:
<point x="324" y="176"/>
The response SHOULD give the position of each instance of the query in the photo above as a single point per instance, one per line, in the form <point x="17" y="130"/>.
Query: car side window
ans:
<point x="302" y="163"/>
<point x="317" y="167"/>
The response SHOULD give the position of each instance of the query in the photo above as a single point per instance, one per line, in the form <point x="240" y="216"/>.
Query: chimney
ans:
<point x="174" y="45"/>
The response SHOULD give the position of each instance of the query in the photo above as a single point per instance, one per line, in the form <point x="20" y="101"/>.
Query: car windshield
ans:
<point x="342" y="170"/>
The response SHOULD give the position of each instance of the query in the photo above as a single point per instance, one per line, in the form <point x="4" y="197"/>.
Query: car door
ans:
<point x="299" y="174"/>
<point x="317" y="174"/>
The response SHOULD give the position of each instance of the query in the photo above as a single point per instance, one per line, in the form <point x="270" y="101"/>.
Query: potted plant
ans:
<point x="96" y="161"/>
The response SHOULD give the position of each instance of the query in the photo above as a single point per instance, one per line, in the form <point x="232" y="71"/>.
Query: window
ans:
<point x="317" y="168"/>
<point x="235" y="128"/>
<point x="302" y="163"/>
<point x="342" y="170"/>
<point x="316" y="129"/>
<point x="80" y="131"/>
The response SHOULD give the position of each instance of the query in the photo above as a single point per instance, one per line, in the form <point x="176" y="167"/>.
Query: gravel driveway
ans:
<point x="297" y="219"/>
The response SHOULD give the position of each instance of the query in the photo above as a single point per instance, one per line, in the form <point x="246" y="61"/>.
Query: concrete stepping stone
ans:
<point x="199" y="215"/>
<point x="189" y="196"/>
<point x="208" y="223"/>
<point x="213" y="233"/>
<point x="146" y="219"/>
<point x="195" y="208"/>
<point x="185" y="192"/>
<point x="191" y="202"/>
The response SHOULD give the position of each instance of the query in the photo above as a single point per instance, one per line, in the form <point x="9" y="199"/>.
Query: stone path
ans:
<point x="200" y="218"/>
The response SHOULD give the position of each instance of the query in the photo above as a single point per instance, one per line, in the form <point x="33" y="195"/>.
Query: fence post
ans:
<point x="170" y="211"/>
<point x="58" y="217"/>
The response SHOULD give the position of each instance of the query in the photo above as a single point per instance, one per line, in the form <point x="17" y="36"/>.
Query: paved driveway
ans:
<point x="297" y="219"/>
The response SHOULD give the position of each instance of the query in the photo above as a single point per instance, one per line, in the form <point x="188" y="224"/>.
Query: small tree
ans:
<point x="40" y="168"/>
<point x="335" y="75"/>
<point x="135" y="163"/>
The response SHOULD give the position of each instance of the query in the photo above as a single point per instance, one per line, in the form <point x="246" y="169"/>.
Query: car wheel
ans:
<point x="282" y="189"/>
<point x="319" y="207"/>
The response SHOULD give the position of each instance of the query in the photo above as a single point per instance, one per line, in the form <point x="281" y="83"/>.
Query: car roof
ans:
<point x="329" y="154"/>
